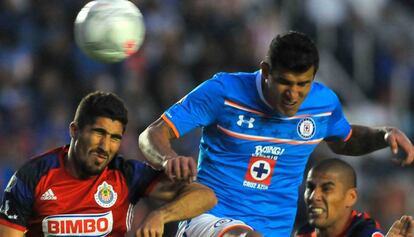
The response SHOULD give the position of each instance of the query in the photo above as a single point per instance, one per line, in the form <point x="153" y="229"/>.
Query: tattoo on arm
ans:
<point x="364" y="140"/>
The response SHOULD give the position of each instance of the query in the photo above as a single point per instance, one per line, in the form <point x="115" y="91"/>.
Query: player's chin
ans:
<point x="315" y="220"/>
<point x="96" y="169"/>
<point x="288" y="111"/>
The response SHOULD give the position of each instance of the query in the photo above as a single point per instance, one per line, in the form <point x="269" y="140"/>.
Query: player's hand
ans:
<point x="397" y="139"/>
<point x="403" y="227"/>
<point x="181" y="168"/>
<point x="153" y="226"/>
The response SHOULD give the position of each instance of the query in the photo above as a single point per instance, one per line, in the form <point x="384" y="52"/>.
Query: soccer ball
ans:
<point x="109" y="30"/>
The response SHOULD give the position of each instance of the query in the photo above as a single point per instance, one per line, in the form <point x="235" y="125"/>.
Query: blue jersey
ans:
<point x="251" y="156"/>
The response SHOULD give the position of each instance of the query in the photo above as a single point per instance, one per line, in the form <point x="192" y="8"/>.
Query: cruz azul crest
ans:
<point x="306" y="128"/>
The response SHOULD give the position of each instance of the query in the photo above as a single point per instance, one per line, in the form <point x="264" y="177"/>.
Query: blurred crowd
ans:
<point x="366" y="56"/>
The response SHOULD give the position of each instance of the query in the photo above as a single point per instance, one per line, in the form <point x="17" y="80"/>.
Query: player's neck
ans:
<point x="337" y="230"/>
<point x="72" y="167"/>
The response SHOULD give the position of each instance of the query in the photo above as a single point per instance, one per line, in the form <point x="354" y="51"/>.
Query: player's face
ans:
<point x="96" y="145"/>
<point x="285" y="91"/>
<point x="327" y="200"/>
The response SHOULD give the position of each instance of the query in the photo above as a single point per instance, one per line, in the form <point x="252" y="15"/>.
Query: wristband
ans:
<point x="164" y="164"/>
<point x="386" y="135"/>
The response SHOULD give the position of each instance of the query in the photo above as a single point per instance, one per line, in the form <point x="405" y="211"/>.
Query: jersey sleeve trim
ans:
<point x="12" y="225"/>
<point x="228" y="228"/>
<point x="172" y="126"/>
<point x="349" y="136"/>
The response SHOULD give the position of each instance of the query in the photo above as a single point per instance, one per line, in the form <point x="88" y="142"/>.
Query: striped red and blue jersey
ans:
<point x="250" y="155"/>
<point x="43" y="199"/>
<point x="360" y="225"/>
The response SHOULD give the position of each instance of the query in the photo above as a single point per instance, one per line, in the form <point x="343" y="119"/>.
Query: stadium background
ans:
<point x="367" y="57"/>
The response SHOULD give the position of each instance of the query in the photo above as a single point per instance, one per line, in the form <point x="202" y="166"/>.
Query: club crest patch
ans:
<point x="306" y="128"/>
<point x="105" y="196"/>
<point x="260" y="171"/>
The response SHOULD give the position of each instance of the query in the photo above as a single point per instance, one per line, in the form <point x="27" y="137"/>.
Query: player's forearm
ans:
<point x="363" y="141"/>
<point x="192" y="200"/>
<point x="10" y="232"/>
<point x="155" y="146"/>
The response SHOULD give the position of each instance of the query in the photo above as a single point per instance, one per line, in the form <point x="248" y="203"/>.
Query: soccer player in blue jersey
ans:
<point x="258" y="131"/>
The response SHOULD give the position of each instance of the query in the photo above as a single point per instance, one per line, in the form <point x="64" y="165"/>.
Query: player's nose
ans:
<point x="315" y="195"/>
<point x="104" y="143"/>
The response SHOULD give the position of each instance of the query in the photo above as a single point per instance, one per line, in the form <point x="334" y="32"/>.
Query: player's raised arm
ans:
<point x="6" y="231"/>
<point x="181" y="201"/>
<point x="155" y="143"/>
<point x="367" y="139"/>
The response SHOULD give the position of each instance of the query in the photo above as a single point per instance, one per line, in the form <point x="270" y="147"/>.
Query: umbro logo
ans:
<point x="48" y="195"/>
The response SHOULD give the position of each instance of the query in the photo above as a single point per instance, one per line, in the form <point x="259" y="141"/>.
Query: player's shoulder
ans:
<point x="322" y="89"/>
<point x="39" y="166"/>
<point x="42" y="163"/>
<point x="232" y="77"/>
<point x="129" y="167"/>
<point x="119" y="161"/>
<point x="320" y="94"/>
<point x="363" y="225"/>
<point x="235" y="82"/>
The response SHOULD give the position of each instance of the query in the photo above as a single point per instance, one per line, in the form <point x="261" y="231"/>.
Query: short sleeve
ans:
<point x="339" y="127"/>
<point x="199" y="108"/>
<point x="139" y="177"/>
<point x="17" y="202"/>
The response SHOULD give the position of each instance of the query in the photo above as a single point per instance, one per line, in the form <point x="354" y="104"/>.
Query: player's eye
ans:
<point x="282" y="81"/>
<point x="116" y="138"/>
<point x="310" y="186"/>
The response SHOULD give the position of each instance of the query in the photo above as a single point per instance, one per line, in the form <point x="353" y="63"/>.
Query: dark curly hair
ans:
<point x="293" y="51"/>
<point x="100" y="104"/>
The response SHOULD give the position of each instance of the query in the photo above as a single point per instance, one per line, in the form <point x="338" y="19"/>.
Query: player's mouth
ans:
<point x="315" y="211"/>
<point x="288" y="103"/>
<point x="101" y="157"/>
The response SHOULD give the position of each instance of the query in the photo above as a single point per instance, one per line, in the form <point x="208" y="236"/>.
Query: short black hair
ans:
<point x="335" y="165"/>
<point x="293" y="51"/>
<point x="100" y="104"/>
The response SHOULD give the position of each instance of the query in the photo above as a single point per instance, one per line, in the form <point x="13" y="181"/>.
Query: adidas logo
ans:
<point x="48" y="195"/>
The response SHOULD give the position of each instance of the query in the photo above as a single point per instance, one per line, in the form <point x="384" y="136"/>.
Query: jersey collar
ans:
<point x="259" y="89"/>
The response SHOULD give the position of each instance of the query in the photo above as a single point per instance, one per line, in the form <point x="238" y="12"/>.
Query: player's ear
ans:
<point x="265" y="69"/>
<point x="351" y="197"/>
<point x="73" y="130"/>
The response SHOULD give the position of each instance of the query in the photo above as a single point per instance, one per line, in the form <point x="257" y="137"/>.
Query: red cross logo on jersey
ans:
<point x="260" y="170"/>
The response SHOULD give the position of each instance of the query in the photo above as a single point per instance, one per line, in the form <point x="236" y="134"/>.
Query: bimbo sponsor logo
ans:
<point x="78" y="224"/>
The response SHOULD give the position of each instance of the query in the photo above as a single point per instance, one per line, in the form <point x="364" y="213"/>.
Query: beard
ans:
<point x="89" y="168"/>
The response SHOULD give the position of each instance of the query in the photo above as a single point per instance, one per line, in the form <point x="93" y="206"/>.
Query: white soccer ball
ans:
<point x="109" y="30"/>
